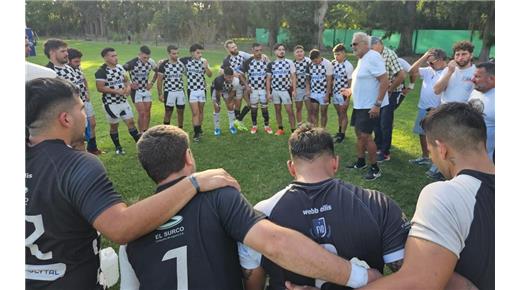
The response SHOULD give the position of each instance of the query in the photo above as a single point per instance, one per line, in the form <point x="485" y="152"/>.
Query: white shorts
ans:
<point x="116" y="112"/>
<point x="216" y="99"/>
<point x="198" y="96"/>
<point x="301" y="95"/>
<point x="238" y="88"/>
<point x="319" y="97"/>
<point x="338" y="99"/>
<point x="89" y="109"/>
<point x="258" y="95"/>
<point x="142" y="97"/>
<point x="174" y="98"/>
<point x="282" y="97"/>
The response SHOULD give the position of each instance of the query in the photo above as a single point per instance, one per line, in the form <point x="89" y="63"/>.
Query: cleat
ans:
<point x="233" y="130"/>
<point x="120" y="151"/>
<point x="279" y="132"/>
<point x="253" y="130"/>
<point x="217" y="132"/>
<point x="268" y="130"/>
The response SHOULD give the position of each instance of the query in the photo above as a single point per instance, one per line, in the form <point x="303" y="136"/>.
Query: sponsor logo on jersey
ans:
<point x="320" y="229"/>
<point x="171" y="223"/>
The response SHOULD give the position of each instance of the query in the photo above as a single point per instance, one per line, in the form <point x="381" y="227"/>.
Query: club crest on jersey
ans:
<point x="171" y="223"/>
<point x="320" y="229"/>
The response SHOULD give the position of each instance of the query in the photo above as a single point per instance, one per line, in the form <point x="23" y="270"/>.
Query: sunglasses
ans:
<point x="354" y="43"/>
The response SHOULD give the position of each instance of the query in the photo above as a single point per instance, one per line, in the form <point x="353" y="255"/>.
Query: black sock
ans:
<point x="237" y="114"/>
<point x="166" y="123"/>
<point x="254" y="116"/>
<point x="361" y="161"/>
<point x="197" y="130"/>
<point x="265" y="114"/>
<point x="91" y="144"/>
<point x="280" y="127"/>
<point x="115" y="139"/>
<point x="374" y="166"/>
<point x="135" y="134"/>
<point x="244" y="112"/>
<point x="339" y="130"/>
<point x="292" y="130"/>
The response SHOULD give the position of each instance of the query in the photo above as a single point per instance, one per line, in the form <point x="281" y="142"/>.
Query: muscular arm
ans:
<point x="122" y="224"/>
<point x="297" y="253"/>
<point x="160" y="86"/>
<point x="100" y="86"/>
<point x="426" y="266"/>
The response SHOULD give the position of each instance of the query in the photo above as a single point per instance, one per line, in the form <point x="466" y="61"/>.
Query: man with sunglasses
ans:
<point x="370" y="94"/>
<point x="436" y="61"/>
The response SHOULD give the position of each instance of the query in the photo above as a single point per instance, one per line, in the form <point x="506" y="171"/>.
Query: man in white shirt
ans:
<point x="369" y="91"/>
<point x="483" y="98"/>
<point x="455" y="83"/>
<point x="436" y="60"/>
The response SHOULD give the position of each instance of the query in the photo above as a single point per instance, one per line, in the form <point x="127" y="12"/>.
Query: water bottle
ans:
<point x="109" y="267"/>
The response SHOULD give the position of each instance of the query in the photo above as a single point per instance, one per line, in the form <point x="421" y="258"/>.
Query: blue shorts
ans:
<point x="417" y="129"/>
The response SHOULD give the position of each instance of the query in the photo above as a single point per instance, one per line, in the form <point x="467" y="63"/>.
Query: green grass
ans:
<point x="257" y="162"/>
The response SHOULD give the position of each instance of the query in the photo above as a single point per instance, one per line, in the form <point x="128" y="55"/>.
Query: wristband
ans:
<point x="194" y="182"/>
<point x="411" y="86"/>
<point x="358" y="274"/>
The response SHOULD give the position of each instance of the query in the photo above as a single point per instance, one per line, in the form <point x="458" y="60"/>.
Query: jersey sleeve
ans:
<point x="443" y="217"/>
<point x="249" y="258"/>
<point x="184" y="60"/>
<point x="130" y="64"/>
<point x="245" y="66"/>
<point x="269" y="69"/>
<point x="161" y="68"/>
<point x="218" y="83"/>
<point x="292" y="67"/>
<point x="236" y="214"/>
<point x="244" y="54"/>
<point x="101" y="74"/>
<point x="423" y="72"/>
<point x="129" y="279"/>
<point x="88" y="188"/>
<point x="404" y="64"/>
<point x="393" y="224"/>
<point x="329" y="69"/>
<point x="153" y="63"/>
<point x="225" y="62"/>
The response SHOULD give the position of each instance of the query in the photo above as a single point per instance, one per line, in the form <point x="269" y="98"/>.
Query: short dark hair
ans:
<point x="161" y="151"/>
<point x="277" y="45"/>
<point x="53" y="44"/>
<point x="171" y="47"/>
<point x="256" y="44"/>
<point x="298" y="46"/>
<point x="44" y="97"/>
<point x="196" y="46"/>
<point x="463" y="45"/>
<point x="488" y="66"/>
<point x="458" y="124"/>
<point x="438" y="53"/>
<point x="339" y="47"/>
<point x="228" y="70"/>
<point x="145" y="49"/>
<point x="314" y="54"/>
<point x="106" y="50"/>
<point x="308" y="142"/>
<point x="74" y="53"/>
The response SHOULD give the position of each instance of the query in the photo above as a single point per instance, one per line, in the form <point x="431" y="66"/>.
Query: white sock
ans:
<point x="216" y="120"/>
<point x="231" y="117"/>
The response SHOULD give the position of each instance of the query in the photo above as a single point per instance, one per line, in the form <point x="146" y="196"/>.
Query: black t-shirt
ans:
<point x="66" y="190"/>
<point x="196" y="249"/>
<point x="350" y="220"/>
<point x="477" y="259"/>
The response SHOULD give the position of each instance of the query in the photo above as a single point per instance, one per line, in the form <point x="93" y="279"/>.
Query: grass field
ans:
<point x="258" y="162"/>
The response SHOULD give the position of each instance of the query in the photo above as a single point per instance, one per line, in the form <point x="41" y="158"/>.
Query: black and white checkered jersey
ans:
<point x="317" y="74"/>
<point x="76" y="77"/>
<point x="172" y="75"/>
<point x="256" y="72"/>
<point x="342" y="73"/>
<point x="301" y="71"/>
<point x="220" y="84"/>
<point x="235" y="61"/>
<point x="114" y="78"/>
<point x="346" y="219"/>
<point x="139" y="71"/>
<point x="195" y="72"/>
<point x="280" y="71"/>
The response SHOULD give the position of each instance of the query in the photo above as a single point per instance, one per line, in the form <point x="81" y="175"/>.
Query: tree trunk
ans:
<point x="273" y="33"/>
<point x="405" y="43"/>
<point x="319" y="16"/>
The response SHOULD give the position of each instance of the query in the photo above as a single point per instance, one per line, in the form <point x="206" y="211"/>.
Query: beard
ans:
<point x="462" y="63"/>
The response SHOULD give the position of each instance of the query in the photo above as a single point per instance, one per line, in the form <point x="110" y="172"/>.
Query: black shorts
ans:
<point x="132" y="95"/>
<point x="362" y="122"/>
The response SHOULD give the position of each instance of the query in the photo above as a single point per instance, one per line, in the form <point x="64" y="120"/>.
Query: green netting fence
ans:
<point x="422" y="39"/>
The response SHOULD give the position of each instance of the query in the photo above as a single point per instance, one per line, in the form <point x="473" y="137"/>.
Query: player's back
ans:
<point x="343" y="218"/>
<point x="196" y="249"/>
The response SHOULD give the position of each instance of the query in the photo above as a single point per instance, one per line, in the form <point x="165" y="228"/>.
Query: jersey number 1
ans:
<point x="181" y="254"/>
